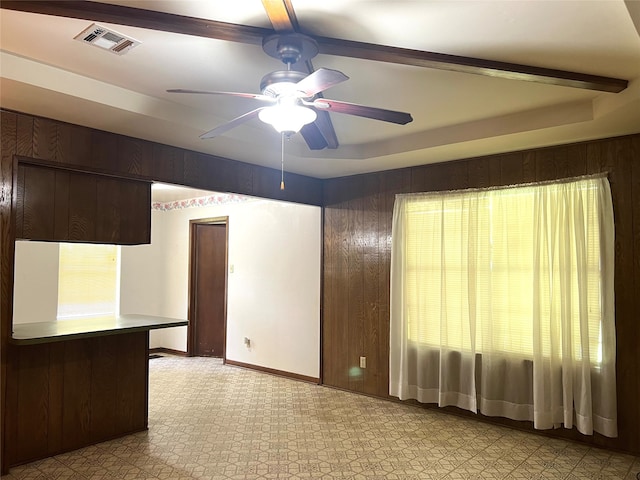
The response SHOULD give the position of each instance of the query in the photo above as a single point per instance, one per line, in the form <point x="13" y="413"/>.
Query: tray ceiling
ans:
<point x="456" y="115"/>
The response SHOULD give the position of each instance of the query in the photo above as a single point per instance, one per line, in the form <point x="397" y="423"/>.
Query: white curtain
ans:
<point x="502" y="302"/>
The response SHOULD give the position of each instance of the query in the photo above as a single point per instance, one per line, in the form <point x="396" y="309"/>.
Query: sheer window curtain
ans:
<point x="502" y="302"/>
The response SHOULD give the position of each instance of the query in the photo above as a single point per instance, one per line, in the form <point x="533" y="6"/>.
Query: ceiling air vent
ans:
<point x="102" y="37"/>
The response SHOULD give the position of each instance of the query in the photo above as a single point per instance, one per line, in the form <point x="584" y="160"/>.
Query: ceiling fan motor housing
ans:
<point x="290" y="48"/>
<point x="281" y="82"/>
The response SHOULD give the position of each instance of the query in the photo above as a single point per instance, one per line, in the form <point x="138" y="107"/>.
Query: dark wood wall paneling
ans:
<point x="11" y="143"/>
<point x="81" y="147"/>
<point x="56" y="204"/>
<point x="67" y="395"/>
<point x="84" y="148"/>
<point x="357" y="254"/>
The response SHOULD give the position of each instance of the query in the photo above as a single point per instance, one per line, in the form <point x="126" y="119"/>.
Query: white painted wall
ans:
<point x="35" y="297"/>
<point x="151" y="283"/>
<point x="273" y="294"/>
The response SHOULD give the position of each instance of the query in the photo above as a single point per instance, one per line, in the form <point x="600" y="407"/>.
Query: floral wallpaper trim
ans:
<point x="217" y="199"/>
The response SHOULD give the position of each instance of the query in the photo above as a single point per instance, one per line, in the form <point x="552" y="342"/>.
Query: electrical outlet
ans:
<point x="363" y="362"/>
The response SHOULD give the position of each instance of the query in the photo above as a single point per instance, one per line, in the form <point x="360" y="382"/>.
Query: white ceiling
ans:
<point x="163" y="193"/>
<point x="456" y="115"/>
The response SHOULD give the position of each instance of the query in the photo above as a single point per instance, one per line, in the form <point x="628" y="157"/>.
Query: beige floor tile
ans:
<point x="213" y="422"/>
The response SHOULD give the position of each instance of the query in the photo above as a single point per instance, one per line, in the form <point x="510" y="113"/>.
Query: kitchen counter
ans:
<point x="60" y="330"/>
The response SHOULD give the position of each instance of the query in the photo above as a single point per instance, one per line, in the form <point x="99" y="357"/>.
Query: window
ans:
<point x="493" y="267"/>
<point x="517" y="279"/>
<point x="88" y="280"/>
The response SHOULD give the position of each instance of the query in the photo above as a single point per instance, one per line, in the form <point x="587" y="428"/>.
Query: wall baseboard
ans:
<point x="273" y="371"/>
<point x="168" y="351"/>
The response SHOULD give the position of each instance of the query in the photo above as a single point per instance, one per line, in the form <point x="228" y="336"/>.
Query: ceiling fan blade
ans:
<point x="320" y="80"/>
<point x="255" y="96"/>
<point x="313" y="136"/>
<point x="232" y="124"/>
<point x="375" y="113"/>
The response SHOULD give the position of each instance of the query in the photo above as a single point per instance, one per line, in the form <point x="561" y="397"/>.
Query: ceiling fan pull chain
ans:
<point x="282" y="161"/>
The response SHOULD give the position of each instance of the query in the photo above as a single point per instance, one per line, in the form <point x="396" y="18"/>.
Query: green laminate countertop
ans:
<point x="58" y="331"/>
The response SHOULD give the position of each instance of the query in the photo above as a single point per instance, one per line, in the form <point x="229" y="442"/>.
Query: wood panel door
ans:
<point x="208" y="290"/>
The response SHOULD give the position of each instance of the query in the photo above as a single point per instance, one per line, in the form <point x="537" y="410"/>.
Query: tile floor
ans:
<point x="209" y="421"/>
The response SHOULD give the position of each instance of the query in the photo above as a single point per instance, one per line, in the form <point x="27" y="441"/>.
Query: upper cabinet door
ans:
<point x="55" y="204"/>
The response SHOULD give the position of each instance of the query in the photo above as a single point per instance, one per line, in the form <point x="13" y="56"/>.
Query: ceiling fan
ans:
<point x="291" y="96"/>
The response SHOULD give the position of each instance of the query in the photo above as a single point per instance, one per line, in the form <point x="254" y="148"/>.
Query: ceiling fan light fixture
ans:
<point x="280" y="88"/>
<point x="287" y="117"/>
<point x="281" y="82"/>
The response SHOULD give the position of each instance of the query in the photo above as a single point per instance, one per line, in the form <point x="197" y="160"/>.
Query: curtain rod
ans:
<point x="558" y="181"/>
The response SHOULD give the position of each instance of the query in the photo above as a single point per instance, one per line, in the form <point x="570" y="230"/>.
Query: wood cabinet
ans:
<point x="70" y="394"/>
<point x="57" y="204"/>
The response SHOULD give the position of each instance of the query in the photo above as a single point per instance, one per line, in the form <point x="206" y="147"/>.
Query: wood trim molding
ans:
<point x="273" y="371"/>
<point x="168" y="351"/>
<point x="40" y="162"/>
<point x="281" y="17"/>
